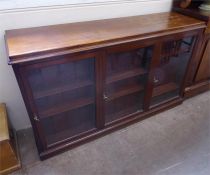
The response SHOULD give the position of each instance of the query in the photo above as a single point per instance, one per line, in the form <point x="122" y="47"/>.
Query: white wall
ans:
<point x="11" y="4"/>
<point x="30" y="17"/>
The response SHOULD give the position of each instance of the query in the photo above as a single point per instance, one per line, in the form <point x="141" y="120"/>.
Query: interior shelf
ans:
<point x="66" y="107"/>
<point x="124" y="113"/>
<point x="183" y="51"/>
<point x="162" y="89"/>
<point x="125" y="75"/>
<point x="60" y="89"/>
<point x="125" y="91"/>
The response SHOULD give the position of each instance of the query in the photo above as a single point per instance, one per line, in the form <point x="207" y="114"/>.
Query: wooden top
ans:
<point x="4" y="132"/>
<point x="35" y="43"/>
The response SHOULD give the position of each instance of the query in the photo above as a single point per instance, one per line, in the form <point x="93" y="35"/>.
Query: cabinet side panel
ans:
<point x="204" y="68"/>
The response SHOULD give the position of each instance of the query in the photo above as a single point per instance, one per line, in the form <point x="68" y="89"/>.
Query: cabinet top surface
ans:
<point x="30" y="42"/>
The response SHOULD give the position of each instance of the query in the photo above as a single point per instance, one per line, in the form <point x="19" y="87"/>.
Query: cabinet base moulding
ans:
<point x="197" y="89"/>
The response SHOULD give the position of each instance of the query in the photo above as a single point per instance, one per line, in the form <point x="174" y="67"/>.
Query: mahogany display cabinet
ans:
<point x="199" y="78"/>
<point x="82" y="80"/>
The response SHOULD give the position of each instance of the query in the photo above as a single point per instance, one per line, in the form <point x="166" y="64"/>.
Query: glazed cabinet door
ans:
<point x="63" y="97"/>
<point x="125" y="79"/>
<point x="171" y="68"/>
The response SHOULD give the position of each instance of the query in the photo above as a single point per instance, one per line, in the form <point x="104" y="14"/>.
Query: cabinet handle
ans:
<point x="36" y="118"/>
<point x="155" y="80"/>
<point x="105" y="97"/>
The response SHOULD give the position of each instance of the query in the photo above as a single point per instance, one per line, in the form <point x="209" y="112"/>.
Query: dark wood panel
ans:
<point x="203" y="72"/>
<point x="65" y="136"/>
<point x="196" y="89"/>
<point x="100" y="79"/>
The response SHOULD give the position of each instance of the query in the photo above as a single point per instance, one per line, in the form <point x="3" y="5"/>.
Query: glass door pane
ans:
<point x="64" y="96"/>
<point x="126" y="76"/>
<point x="169" y="74"/>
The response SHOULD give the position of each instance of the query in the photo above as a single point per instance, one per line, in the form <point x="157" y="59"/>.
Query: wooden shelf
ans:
<point x="66" y="107"/>
<point x="162" y="89"/>
<point x="125" y="91"/>
<point x="69" y="134"/>
<point x="183" y="51"/>
<point x="64" y="88"/>
<point x="123" y="113"/>
<point x="125" y="75"/>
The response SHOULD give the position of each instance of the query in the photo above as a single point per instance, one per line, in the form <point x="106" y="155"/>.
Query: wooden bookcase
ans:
<point x="83" y="80"/>
<point x="199" y="79"/>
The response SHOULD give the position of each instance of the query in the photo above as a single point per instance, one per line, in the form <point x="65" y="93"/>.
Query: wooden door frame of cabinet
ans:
<point x="195" y="33"/>
<point x="195" y="60"/>
<point x="124" y="47"/>
<point x="150" y="84"/>
<point x="38" y="136"/>
<point x="76" y="57"/>
<point x="34" y="113"/>
<point x="60" y="59"/>
<point x="190" y="69"/>
<point x="20" y="72"/>
<point x="100" y="79"/>
<point x="132" y="46"/>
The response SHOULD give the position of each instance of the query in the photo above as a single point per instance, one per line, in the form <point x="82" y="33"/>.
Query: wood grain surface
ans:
<point x="39" y="40"/>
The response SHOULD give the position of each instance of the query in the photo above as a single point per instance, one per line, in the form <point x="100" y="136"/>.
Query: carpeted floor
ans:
<point x="175" y="142"/>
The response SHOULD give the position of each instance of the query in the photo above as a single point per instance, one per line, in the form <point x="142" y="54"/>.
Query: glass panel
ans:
<point x="65" y="98"/>
<point x="68" y="124"/>
<point x="170" y="72"/>
<point x="126" y="77"/>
